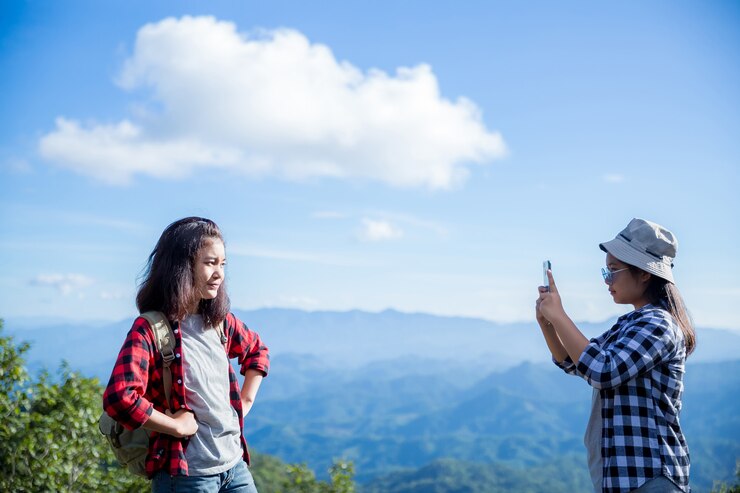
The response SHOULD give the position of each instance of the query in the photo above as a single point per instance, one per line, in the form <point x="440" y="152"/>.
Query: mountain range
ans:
<point x="408" y="397"/>
<point x="342" y="340"/>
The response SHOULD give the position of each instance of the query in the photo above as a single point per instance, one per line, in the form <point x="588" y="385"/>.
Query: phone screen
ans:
<point x="546" y="265"/>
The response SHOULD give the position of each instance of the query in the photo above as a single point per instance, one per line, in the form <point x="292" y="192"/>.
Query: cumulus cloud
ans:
<point x="329" y="215"/>
<point x="378" y="230"/>
<point x="613" y="178"/>
<point x="274" y="103"/>
<point x="64" y="283"/>
<point x="18" y="166"/>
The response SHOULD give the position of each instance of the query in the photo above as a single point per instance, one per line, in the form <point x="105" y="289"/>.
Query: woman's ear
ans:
<point x="645" y="277"/>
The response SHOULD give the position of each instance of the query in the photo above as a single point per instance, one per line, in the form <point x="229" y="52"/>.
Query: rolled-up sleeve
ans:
<point x="247" y="346"/>
<point x="123" y="398"/>
<point x="645" y="342"/>
<point x="566" y="365"/>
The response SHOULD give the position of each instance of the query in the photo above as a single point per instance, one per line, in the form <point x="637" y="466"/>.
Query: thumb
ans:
<point x="553" y="287"/>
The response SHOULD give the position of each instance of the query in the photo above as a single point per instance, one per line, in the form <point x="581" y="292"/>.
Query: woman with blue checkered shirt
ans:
<point x="634" y="438"/>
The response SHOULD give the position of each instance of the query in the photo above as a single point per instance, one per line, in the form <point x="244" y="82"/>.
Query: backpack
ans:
<point x="132" y="446"/>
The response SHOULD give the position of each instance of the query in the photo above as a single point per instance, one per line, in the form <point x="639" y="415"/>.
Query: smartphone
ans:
<point x="546" y="265"/>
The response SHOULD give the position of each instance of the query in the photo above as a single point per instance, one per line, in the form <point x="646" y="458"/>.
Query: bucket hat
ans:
<point x="645" y="245"/>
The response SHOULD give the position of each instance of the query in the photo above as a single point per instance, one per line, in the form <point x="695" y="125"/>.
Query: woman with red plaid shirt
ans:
<point x="636" y="368"/>
<point x="197" y="444"/>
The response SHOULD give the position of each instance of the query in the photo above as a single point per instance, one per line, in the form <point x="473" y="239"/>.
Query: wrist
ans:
<point x="177" y="429"/>
<point x="558" y="319"/>
<point x="180" y="426"/>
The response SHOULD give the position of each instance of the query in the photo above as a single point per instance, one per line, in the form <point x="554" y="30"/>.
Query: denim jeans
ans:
<point x="661" y="484"/>
<point x="238" y="479"/>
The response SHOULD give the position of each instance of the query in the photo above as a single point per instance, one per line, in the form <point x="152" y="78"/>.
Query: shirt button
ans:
<point x="177" y="355"/>
<point x="182" y="406"/>
<point x="179" y="380"/>
<point x="176" y="331"/>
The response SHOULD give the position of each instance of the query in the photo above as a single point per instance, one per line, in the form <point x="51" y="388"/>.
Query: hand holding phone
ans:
<point x="546" y="265"/>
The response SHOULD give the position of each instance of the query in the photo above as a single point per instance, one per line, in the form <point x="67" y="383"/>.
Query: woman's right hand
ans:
<point x="538" y="313"/>
<point x="185" y="424"/>
<point x="549" y="306"/>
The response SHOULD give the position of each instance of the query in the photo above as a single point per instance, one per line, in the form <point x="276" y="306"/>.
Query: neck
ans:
<point x="640" y="304"/>
<point x="193" y="310"/>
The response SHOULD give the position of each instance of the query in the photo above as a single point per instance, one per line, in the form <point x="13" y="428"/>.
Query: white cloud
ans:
<point x="613" y="178"/>
<point x="274" y="103"/>
<point x="302" y="302"/>
<point x="289" y="255"/>
<point x="413" y="221"/>
<point x="64" y="283"/>
<point x="374" y="230"/>
<point x="113" y="295"/>
<point x="329" y="215"/>
<point x="18" y="166"/>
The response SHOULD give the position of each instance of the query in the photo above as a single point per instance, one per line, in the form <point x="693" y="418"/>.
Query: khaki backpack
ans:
<point x="131" y="446"/>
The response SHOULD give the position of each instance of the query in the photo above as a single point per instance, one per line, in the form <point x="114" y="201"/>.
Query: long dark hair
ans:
<point x="168" y="284"/>
<point x="661" y="292"/>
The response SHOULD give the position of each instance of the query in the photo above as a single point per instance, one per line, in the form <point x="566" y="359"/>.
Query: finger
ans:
<point x="553" y="286"/>
<point x="542" y="289"/>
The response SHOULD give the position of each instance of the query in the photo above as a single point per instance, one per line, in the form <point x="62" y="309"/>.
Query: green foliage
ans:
<point x="49" y="440"/>
<point x="724" y="488"/>
<point x="271" y="475"/>
<point x="453" y="476"/>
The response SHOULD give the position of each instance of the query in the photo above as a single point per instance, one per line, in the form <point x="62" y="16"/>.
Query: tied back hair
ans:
<point x="168" y="282"/>
<point x="661" y="292"/>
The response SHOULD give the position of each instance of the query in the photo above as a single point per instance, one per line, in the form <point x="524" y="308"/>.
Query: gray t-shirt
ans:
<point x="216" y="446"/>
<point x="592" y="440"/>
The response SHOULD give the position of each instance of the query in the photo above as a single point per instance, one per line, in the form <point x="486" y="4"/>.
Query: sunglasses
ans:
<point x="609" y="274"/>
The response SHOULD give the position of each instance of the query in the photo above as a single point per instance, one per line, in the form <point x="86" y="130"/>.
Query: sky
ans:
<point x="419" y="156"/>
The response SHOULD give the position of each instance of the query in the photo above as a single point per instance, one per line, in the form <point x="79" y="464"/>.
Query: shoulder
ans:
<point x="141" y="330"/>
<point x="655" y="316"/>
<point x="234" y="324"/>
<point x="653" y="322"/>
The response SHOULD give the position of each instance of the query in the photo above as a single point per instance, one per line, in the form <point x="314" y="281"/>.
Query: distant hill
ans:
<point x="395" y="392"/>
<point x="564" y="475"/>
<point x="526" y="416"/>
<point x="344" y="340"/>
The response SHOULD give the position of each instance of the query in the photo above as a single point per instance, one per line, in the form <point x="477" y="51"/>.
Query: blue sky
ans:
<point x="422" y="156"/>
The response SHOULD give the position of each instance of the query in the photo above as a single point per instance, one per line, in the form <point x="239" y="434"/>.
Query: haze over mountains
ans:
<point x="343" y="339"/>
<point x="395" y="392"/>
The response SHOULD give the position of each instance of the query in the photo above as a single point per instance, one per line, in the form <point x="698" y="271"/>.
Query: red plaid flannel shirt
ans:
<point x="135" y="386"/>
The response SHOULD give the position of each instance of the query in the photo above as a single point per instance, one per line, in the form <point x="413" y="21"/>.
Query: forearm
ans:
<point x="163" y="423"/>
<point x="554" y="344"/>
<point x="252" y="381"/>
<point x="571" y="339"/>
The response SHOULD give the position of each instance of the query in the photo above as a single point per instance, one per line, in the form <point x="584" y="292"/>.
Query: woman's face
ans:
<point x="626" y="287"/>
<point x="209" y="268"/>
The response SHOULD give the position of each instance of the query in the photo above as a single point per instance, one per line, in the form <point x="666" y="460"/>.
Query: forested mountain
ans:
<point x="411" y="397"/>
<point x="526" y="417"/>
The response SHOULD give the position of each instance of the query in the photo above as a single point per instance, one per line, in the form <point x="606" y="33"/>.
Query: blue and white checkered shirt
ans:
<point x="638" y="368"/>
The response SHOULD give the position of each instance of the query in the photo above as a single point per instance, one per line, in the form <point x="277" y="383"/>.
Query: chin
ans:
<point x="209" y="295"/>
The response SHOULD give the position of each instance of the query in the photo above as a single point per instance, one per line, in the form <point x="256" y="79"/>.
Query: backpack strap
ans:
<point x="164" y="338"/>
<point x="222" y="332"/>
